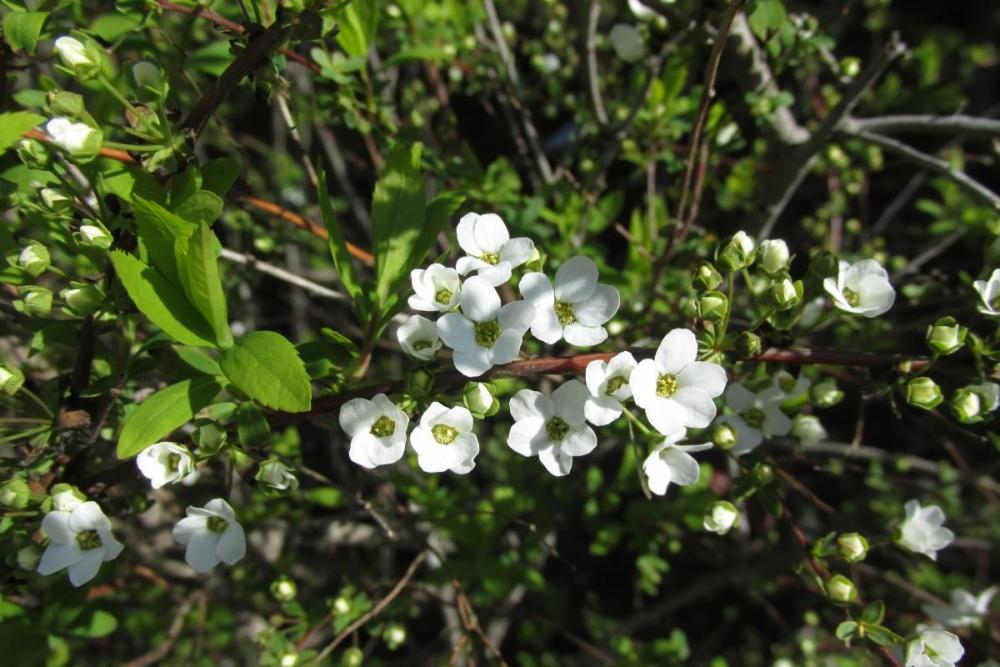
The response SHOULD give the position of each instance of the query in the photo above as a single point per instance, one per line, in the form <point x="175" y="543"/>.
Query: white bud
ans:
<point x="808" y="429"/>
<point x="78" y="139"/>
<point x="720" y="517"/>
<point x="54" y="199"/>
<point x="82" y="298"/>
<point x="76" y="56"/>
<point x="92" y="235"/>
<point x="67" y="499"/>
<point x="773" y="256"/>
<point x="627" y="42"/>
<point x="277" y="475"/>
<point x="34" y="259"/>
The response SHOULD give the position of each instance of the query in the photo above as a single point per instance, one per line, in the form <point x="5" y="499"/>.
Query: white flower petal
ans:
<point x="579" y="441"/>
<point x="473" y="362"/>
<point x="583" y="336"/>
<point x="876" y="295"/>
<point x="666" y="416"/>
<point x="658" y="473"/>
<point x="496" y="275"/>
<point x="383" y="451"/>
<point x="201" y="554"/>
<point x="683" y="466"/>
<point x="186" y="528"/>
<point x="86" y="568"/>
<point x="480" y="301"/>
<point x="556" y="461"/>
<point x="698" y="404"/>
<point x="87" y="516"/>
<point x="776" y="422"/>
<point x="490" y="233"/>
<point x="739" y="398"/>
<point x="568" y="400"/>
<point x="599" y="308"/>
<point x="232" y="546"/>
<point x="602" y="410"/>
<point x="710" y="378"/>
<point x="457" y="332"/>
<point x="527" y="436"/>
<point x="517" y="251"/>
<point x="517" y="316"/>
<point x="466" y="236"/>
<point x="357" y="415"/>
<point x="59" y="556"/>
<point x="507" y="347"/>
<point x="467" y="264"/>
<point x="596" y="377"/>
<point x="537" y="290"/>
<point x="528" y="403"/>
<point x="459" y="418"/>
<point x="546" y="327"/>
<point x="220" y="507"/>
<point x="643" y="383"/>
<point x="358" y="453"/>
<point x="677" y="349"/>
<point x="576" y="279"/>
<point x="112" y="547"/>
<point x="56" y="526"/>
<point x="433" y="414"/>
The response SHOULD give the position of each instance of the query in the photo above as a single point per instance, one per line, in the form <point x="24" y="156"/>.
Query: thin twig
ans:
<point x="283" y="275"/>
<point x="375" y="611"/>
<point x="176" y="626"/>
<point x="923" y="124"/>
<point x="592" y="72"/>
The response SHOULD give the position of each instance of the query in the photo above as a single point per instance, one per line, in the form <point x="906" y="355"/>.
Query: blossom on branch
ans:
<point x="755" y="416"/>
<point x="989" y="294"/>
<point x="418" y="337"/>
<point x="575" y="308"/>
<point x="608" y="384"/>
<point x="165" y="463"/>
<point x="672" y="463"/>
<point x="923" y="531"/>
<point x="492" y="254"/>
<point x="934" y="648"/>
<point x="212" y="535"/>
<point x="862" y="288"/>
<point x="79" y="541"/>
<point x="553" y="428"/>
<point x="436" y="288"/>
<point x="377" y="429"/>
<point x="444" y="440"/>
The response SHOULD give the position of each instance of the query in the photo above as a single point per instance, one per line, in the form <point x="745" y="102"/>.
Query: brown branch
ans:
<point x="922" y="124"/>
<point x="375" y="611"/>
<point x="163" y="650"/>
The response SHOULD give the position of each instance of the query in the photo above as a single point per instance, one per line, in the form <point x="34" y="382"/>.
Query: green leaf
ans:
<point x="873" y="613"/>
<point x="846" y="630"/>
<point x="398" y="213"/>
<point x="251" y="426"/>
<point x="265" y="366"/>
<point x="164" y="412"/>
<point x="219" y="175"/>
<point x="357" y="24"/>
<point x="161" y="232"/>
<point x="21" y="29"/>
<point x="338" y="251"/>
<point x="198" y="268"/>
<point x="161" y="302"/>
<point x="767" y="16"/>
<point x="882" y="635"/>
<point x="431" y="53"/>
<point x="14" y="124"/>
<point x="100" y="624"/>
<point x="198" y="360"/>
<point x="200" y="206"/>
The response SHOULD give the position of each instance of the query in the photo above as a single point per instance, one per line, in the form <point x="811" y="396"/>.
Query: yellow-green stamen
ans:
<point x="217" y="524"/>
<point x="443" y="296"/>
<point x="614" y="384"/>
<point x="444" y="434"/>
<point x="383" y="426"/>
<point x="851" y="297"/>
<point x="490" y="258"/>
<point x="564" y="311"/>
<point x="556" y="428"/>
<point x="666" y="386"/>
<point x="88" y="540"/>
<point x="487" y="333"/>
<point x="754" y="417"/>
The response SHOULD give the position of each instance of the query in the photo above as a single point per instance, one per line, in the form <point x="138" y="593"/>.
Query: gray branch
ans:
<point x="956" y="124"/>
<point x="972" y="187"/>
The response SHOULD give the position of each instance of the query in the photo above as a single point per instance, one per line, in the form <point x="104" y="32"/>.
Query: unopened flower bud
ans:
<point x="11" y="379"/>
<point x="94" y="236"/>
<point x="284" y="589"/>
<point x="480" y="399"/>
<point x="826" y="393"/>
<point x="82" y="298"/>
<point x="723" y="436"/>
<point x="32" y="154"/>
<point x="34" y="259"/>
<point x="786" y="294"/>
<point x="773" y="256"/>
<point x="28" y="557"/>
<point x="923" y="392"/>
<point x="84" y="60"/>
<point x="277" y="475"/>
<point x="972" y="403"/>
<point x="66" y="497"/>
<point x="707" y="277"/>
<point x="748" y="345"/>
<point x="35" y="300"/>
<point x="808" y="429"/>
<point x="15" y="494"/>
<point x="54" y="199"/>
<point x="762" y="473"/>
<point x="80" y="140"/>
<point x="627" y="42"/>
<point x="720" y="517"/>
<point x="946" y="336"/>
<point x="353" y="657"/>
<point x="841" y="590"/>
<point x="148" y="75"/>
<point x="341" y="605"/>
<point x="852" y="547"/>
<point x="712" y="306"/>
<point x="395" y="636"/>
<point x="65" y="103"/>
<point x="738" y="253"/>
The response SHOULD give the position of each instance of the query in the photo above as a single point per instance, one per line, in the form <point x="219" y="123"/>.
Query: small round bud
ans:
<point x="284" y="589"/>
<point x="34" y="259"/>
<point x="276" y="475"/>
<point x="11" y="379"/>
<point x="65" y="103"/>
<point x="738" y="253"/>
<point x="342" y="605"/>
<point x="712" y="306"/>
<point x="80" y="140"/>
<point x="82" y="298"/>
<point x="627" y="42"/>
<point x="773" y="256"/>
<point x="724" y="436"/>
<point x="15" y="494"/>
<point x="289" y="660"/>
<point x="94" y="236"/>
<point x="84" y="60"/>
<point x="946" y="336"/>
<point x="66" y="497"/>
<point x="841" y="590"/>
<point x="707" y="277"/>
<point x="480" y="399"/>
<point x="826" y="393"/>
<point x="808" y="429"/>
<point x="971" y="404"/>
<point x="394" y="636"/>
<point x="54" y="199"/>
<point x="852" y="547"/>
<point x="720" y="517"/>
<point x="32" y="154"/>
<point x="762" y="473"/>
<point x="923" y="392"/>
<point x="35" y="300"/>
<point x="28" y="557"/>
<point x="748" y="345"/>
<point x="786" y="294"/>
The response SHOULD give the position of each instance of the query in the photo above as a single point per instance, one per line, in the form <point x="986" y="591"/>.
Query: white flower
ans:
<point x="484" y="334"/>
<point x="627" y="42"/>
<point x="80" y="540"/>
<point x="965" y="610"/>
<point x="989" y="294"/>
<point x="377" y="429"/>
<point x="607" y="382"/>
<point x="165" y="463"/>
<point x="444" y="440"/>
<point x="808" y="429"/>
<point x="862" y="288"/>
<point x="791" y="387"/>
<point x="922" y="530"/>
<point x="212" y="535"/>
<point x="720" y="517"/>
<point x="277" y="475"/>
<point x="436" y="288"/>
<point x="675" y="390"/>
<point x="418" y="337"/>
<point x="934" y="648"/>
<point x="773" y="256"/>
<point x="491" y="252"/>
<point x="671" y="462"/>
<point x="68" y="499"/>
<point x="551" y="427"/>
<point x="575" y="309"/>
<point x="77" y="139"/>
<point x="640" y="10"/>
<point x="76" y="56"/>
<point x="756" y="416"/>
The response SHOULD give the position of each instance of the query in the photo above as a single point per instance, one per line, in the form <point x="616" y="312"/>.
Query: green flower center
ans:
<point x="556" y="428"/>
<point x="564" y="311"/>
<point x="754" y="417"/>
<point x="217" y="524"/>
<point x="666" y="386"/>
<point x="995" y="303"/>
<point x="443" y="296"/>
<point x="444" y="434"/>
<point x="786" y="383"/>
<point x="487" y="333"/>
<point x="173" y="462"/>
<point x="383" y="426"/>
<point x="88" y="540"/>
<point x="614" y="384"/>
<point x="421" y="345"/>
<point x="490" y="258"/>
<point x="851" y="296"/>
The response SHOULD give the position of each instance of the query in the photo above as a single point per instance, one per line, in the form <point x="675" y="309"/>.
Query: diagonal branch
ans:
<point x="955" y="124"/>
